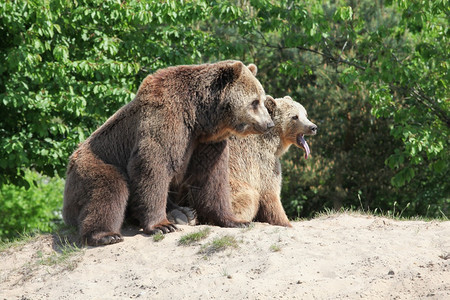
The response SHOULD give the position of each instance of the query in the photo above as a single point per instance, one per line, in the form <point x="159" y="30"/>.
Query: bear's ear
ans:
<point x="237" y="69"/>
<point x="270" y="104"/>
<point x="253" y="68"/>
<point x="288" y="98"/>
<point x="228" y="73"/>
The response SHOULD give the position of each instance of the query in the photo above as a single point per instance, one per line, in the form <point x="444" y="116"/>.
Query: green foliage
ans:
<point x="409" y="82"/>
<point x="67" y="66"/>
<point x="36" y="208"/>
<point x="348" y="62"/>
<point x="372" y="74"/>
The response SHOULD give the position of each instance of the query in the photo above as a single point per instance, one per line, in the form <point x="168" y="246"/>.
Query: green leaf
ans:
<point x="344" y="13"/>
<point x="61" y="53"/>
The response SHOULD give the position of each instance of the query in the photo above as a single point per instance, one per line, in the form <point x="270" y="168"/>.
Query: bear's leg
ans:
<point x="208" y="185"/>
<point x="95" y="199"/>
<point x="271" y="210"/>
<point x="149" y="186"/>
<point x="245" y="201"/>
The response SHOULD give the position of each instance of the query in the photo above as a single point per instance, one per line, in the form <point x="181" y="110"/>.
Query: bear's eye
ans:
<point x="295" y="118"/>
<point x="255" y="103"/>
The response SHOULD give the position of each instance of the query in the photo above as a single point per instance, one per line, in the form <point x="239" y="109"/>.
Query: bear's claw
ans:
<point x="163" y="229"/>
<point x="104" y="239"/>
<point x="110" y="239"/>
<point x="236" y="224"/>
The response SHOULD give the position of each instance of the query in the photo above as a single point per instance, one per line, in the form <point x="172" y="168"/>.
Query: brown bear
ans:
<point x="128" y="163"/>
<point x="255" y="169"/>
<point x="254" y="165"/>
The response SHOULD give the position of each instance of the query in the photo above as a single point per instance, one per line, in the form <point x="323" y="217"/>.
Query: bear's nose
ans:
<point x="313" y="128"/>
<point x="270" y="125"/>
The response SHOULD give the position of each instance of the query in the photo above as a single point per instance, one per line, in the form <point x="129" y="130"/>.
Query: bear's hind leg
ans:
<point x="102" y="214"/>
<point x="271" y="211"/>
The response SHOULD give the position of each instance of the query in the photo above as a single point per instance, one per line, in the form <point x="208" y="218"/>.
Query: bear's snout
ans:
<point x="263" y="127"/>
<point x="266" y="126"/>
<point x="313" y="129"/>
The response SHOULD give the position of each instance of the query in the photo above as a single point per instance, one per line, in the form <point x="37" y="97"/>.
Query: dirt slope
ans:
<point x="339" y="256"/>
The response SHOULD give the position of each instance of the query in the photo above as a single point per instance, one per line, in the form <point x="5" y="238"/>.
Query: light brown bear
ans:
<point x="128" y="163"/>
<point x="255" y="169"/>
<point x="254" y="165"/>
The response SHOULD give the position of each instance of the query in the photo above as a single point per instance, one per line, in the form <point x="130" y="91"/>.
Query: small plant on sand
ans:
<point x="219" y="244"/>
<point x="158" y="237"/>
<point x="274" y="248"/>
<point x="225" y="273"/>
<point x="194" y="237"/>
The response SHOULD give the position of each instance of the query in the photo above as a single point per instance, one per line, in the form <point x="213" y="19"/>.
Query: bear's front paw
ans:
<point x="163" y="228"/>
<point x="236" y="224"/>
<point x="103" y="238"/>
<point x="243" y="224"/>
<point x="182" y="216"/>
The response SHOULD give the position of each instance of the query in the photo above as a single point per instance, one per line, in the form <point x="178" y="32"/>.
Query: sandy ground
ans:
<point x="332" y="257"/>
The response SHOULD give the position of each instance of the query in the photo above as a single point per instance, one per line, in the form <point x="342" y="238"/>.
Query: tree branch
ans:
<point x="330" y="57"/>
<point x="431" y="104"/>
<point x="338" y="59"/>
<point x="416" y="93"/>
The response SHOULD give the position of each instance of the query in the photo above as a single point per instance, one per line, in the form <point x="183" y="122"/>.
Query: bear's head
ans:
<point x="291" y="122"/>
<point x="243" y="100"/>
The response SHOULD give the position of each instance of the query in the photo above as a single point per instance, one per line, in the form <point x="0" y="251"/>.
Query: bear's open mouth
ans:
<point x="301" y="142"/>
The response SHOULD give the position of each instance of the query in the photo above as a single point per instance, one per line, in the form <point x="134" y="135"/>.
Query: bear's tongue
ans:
<point x="302" y="142"/>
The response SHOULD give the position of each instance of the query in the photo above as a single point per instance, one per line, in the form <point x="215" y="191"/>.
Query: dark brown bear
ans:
<point x="129" y="162"/>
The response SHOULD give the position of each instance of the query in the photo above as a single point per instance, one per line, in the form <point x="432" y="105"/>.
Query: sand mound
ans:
<point x="339" y="256"/>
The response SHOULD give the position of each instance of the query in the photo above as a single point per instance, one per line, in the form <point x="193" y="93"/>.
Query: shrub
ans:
<point x="37" y="208"/>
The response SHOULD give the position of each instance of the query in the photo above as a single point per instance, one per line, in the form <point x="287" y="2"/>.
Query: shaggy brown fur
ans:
<point x="129" y="162"/>
<point x="254" y="164"/>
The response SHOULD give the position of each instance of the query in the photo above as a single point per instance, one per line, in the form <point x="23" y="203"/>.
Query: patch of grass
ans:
<point x="46" y="250"/>
<point x="194" y="237"/>
<point x="158" y="237"/>
<point x="219" y="244"/>
<point x="274" y="248"/>
<point x="21" y="240"/>
<point x="394" y="214"/>
<point x="54" y="253"/>
<point x="62" y="256"/>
